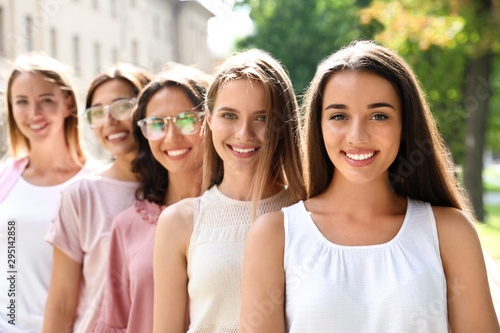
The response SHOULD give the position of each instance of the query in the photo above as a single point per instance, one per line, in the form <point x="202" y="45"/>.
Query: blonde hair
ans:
<point x="55" y="72"/>
<point x="279" y="155"/>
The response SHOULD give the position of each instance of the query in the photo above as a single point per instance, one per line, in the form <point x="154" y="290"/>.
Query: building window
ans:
<point x="53" y="42"/>
<point x="135" y="52"/>
<point x="29" y="33"/>
<point x="97" y="57"/>
<point x="76" y="54"/>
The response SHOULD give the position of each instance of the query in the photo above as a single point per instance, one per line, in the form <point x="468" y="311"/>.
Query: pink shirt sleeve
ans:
<point x="116" y="304"/>
<point x="64" y="231"/>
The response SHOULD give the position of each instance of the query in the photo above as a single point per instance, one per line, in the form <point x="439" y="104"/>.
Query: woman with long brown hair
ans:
<point x="384" y="243"/>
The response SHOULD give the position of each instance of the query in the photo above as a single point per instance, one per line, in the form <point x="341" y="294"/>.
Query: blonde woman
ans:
<point x="251" y="167"/>
<point x="42" y="116"/>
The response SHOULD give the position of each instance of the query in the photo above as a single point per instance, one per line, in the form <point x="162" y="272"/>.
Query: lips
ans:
<point x="360" y="158"/>
<point x="117" y="136"/>
<point x="38" y="126"/>
<point x="243" y="151"/>
<point x="177" y="152"/>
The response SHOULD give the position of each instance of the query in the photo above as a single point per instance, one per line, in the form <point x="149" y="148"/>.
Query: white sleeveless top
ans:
<point x="215" y="259"/>
<point x="398" y="286"/>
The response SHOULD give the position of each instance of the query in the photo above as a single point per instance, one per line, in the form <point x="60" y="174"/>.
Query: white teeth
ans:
<point x="243" y="151"/>
<point x="37" y="126"/>
<point x="177" y="152"/>
<point x="117" y="135"/>
<point x="360" y="157"/>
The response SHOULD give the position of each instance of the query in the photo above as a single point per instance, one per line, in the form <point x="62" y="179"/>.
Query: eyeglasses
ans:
<point x="154" y="128"/>
<point x="119" y="110"/>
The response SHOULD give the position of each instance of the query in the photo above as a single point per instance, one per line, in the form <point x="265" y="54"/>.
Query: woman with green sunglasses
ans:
<point x="169" y="164"/>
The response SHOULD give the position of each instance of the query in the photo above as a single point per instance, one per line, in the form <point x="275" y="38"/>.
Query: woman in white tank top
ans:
<point x="251" y="167"/>
<point x="385" y="242"/>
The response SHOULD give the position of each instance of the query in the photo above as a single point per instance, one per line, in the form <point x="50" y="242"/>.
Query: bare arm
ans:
<point x="62" y="300"/>
<point x="263" y="307"/>
<point x="175" y="227"/>
<point x="470" y="308"/>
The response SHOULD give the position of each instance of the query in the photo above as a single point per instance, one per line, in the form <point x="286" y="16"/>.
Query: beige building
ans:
<point x="89" y="35"/>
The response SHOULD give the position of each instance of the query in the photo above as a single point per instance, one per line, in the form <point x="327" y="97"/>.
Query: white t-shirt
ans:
<point x="28" y="211"/>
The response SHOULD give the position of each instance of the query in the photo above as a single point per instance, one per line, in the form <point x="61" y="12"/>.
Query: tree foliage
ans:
<point x="302" y="32"/>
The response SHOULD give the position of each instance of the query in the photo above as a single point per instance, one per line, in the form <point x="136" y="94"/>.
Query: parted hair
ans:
<point x="137" y="77"/>
<point x="279" y="158"/>
<point x="423" y="168"/>
<point x="55" y="72"/>
<point x="153" y="176"/>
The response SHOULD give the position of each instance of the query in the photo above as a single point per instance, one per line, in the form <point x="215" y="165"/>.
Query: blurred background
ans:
<point x="452" y="45"/>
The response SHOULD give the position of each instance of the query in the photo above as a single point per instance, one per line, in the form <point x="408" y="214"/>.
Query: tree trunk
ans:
<point x="477" y="95"/>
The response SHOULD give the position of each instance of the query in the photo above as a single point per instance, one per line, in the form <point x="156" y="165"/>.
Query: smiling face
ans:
<point x="238" y="124"/>
<point x="177" y="152"/>
<point x="114" y="135"/>
<point x="39" y="107"/>
<point x="362" y="125"/>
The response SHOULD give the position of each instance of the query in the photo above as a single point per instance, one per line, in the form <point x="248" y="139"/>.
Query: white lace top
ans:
<point x="215" y="260"/>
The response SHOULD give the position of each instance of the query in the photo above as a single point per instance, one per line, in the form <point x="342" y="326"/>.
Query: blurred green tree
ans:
<point x="302" y="32"/>
<point x="469" y="31"/>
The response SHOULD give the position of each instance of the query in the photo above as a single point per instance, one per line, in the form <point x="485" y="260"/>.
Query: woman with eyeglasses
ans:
<point x="167" y="127"/>
<point x="250" y="167"/>
<point x="46" y="156"/>
<point x="80" y="231"/>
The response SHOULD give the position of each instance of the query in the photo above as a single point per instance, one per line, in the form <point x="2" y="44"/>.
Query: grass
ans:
<point x="489" y="232"/>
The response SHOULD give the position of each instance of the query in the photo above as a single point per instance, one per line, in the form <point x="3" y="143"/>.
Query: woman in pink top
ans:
<point x="169" y="161"/>
<point x="81" y="228"/>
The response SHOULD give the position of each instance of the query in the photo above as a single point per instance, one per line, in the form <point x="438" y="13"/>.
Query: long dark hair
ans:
<point x="153" y="176"/>
<point x="423" y="169"/>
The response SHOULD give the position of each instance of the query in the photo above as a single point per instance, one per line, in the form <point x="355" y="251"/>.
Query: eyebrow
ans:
<point x="226" y="108"/>
<point x="115" y="100"/>
<point x="370" y="106"/>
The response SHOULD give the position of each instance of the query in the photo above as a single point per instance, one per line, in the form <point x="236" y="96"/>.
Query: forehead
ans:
<point x="359" y="88"/>
<point x="242" y="92"/>
<point x="167" y="101"/>
<point x="33" y="83"/>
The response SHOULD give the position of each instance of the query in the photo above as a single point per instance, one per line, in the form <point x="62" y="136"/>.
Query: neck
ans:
<point x="182" y="186"/>
<point x="53" y="157"/>
<point x="374" y="197"/>
<point x="239" y="186"/>
<point x="121" y="168"/>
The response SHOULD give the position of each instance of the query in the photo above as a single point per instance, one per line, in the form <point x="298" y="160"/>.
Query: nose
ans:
<point x="357" y="132"/>
<point x="244" y="132"/>
<point x="35" y="109"/>
<point x="172" y="134"/>
<point x="108" y="117"/>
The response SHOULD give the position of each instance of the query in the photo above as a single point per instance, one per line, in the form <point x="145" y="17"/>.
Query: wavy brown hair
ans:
<point x="279" y="156"/>
<point x="55" y="72"/>
<point x="153" y="175"/>
<point x="423" y="169"/>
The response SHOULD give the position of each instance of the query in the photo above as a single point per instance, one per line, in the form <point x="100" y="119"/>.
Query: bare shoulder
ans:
<point x="458" y="238"/>
<point x="176" y="221"/>
<point x="267" y="231"/>
<point x="454" y="225"/>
